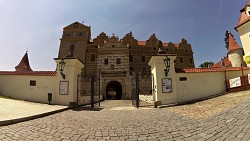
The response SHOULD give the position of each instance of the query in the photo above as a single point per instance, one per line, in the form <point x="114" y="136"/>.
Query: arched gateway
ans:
<point x="114" y="90"/>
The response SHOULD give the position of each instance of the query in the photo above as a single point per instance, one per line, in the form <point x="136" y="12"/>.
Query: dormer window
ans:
<point x="248" y="11"/>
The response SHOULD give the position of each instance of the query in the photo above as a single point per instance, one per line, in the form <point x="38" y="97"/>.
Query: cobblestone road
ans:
<point x="155" y="124"/>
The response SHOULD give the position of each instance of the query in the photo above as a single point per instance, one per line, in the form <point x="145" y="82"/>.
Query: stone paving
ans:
<point x="11" y="109"/>
<point x="231" y="123"/>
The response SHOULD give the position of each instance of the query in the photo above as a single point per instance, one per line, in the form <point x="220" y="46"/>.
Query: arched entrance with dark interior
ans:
<point x="114" y="91"/>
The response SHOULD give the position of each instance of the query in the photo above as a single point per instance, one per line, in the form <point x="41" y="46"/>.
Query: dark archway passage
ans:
<point x="114" y="90"/>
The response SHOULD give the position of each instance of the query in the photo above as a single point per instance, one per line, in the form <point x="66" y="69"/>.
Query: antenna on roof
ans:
<point x="82" y="21"/>
<point x="27" y="50"/>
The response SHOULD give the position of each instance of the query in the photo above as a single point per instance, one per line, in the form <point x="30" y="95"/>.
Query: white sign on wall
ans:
<point x="166" y="85"/>
<point x="235" y="82"/>
<point x="64" y="87"/>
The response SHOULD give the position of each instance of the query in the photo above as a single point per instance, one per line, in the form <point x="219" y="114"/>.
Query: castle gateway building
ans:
<point x="115" y="60"/>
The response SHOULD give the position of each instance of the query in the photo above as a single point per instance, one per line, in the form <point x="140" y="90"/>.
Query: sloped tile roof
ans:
<point x="218" y="64"/>
<point x="143" y="43"/>
<point x="243" y="17"/>
<point x="29" y="73"/>
<point x="233" y="45"/>
<point x="204" y="70"/>
<point x="24" y="64"/>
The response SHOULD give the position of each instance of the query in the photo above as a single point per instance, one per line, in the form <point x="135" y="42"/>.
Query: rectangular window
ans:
<point x="190" y="60"/>
<point x="118" y="60"/>
<point x="106" y="61"/>
<point x="131" y="59"/>
<point x="143" y="69"/>
<point x="143" y="58"/>
<point x="93" y="57"/>
<point x="32" y="82"/>
<point x="130" y="70"/>
<point x="183" y="78"/>
<point x="181" y="60"/>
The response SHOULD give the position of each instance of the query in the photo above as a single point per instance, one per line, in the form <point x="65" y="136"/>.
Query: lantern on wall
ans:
<point x="167" y="64"/>
<point x="61" y="68"/>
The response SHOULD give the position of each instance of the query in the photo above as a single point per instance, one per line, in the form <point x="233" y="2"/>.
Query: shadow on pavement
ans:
<point x="87" y="109"/>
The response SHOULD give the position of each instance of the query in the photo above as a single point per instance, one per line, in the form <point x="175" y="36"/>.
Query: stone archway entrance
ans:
<point x="114" y="90"/>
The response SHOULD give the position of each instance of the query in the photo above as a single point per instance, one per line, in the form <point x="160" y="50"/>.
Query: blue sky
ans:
<point x="36" y="25"/>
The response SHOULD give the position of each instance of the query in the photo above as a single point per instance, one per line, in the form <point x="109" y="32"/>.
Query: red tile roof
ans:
<point x="29" y="73"/>
<point x="233" y="45"/>
<point x="244" y="17"/>
<point x="204" y="70"/>
<point x="143" y="43"/>
<point x="218" y="64"/>
<point x="24" y="64"/>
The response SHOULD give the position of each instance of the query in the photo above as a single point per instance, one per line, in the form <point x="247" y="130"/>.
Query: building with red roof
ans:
<point x="234" y="54"/>
<point x="243" y="28"/>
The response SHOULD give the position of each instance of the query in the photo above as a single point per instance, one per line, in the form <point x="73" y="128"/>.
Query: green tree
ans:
<point x="206" y="64"/>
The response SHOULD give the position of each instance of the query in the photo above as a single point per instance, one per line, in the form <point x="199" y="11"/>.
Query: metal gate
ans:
<point x="135" y="90"/>
<point x="142" y="90"/>
<point x="88" y="91"/>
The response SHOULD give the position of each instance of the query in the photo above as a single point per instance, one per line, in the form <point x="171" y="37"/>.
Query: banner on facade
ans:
<point x="235" y="82"/>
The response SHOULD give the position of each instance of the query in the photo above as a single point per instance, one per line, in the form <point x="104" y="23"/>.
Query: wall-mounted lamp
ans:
<point x="61" y="68"/>
<point x="167" y="64"/>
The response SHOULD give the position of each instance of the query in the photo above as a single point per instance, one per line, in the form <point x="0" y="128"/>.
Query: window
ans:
<point x="143" y="69"/>
<point x="183" y="78"/>
<point x="154" y="48"/>
<point x="143" y="58"/>
<point x="186" y="51"/>
<point x="181" y="60"/>
<point x="118" y="60"/>
<point x="93" y="57"/>
<point x="130" y="70"/>
<point x="131" y="59"/>
<point x="32" y="82"/>
<point x="113" y="46"/>
<point x="190" y="60"/>
<point x="106" y="61"/>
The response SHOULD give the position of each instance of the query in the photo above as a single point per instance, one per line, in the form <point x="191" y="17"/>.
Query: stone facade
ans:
<point x="113" y="59"/>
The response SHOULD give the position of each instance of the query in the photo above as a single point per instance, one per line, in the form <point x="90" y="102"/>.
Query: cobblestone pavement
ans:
<point x="230" y="124"/>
